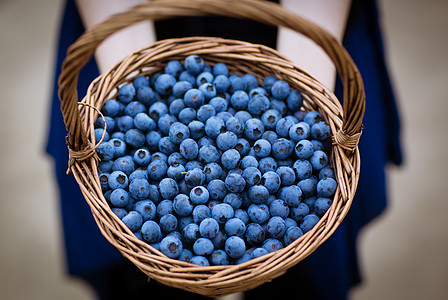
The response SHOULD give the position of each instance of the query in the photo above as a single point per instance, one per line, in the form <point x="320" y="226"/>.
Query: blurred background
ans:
<point x="403" y="254"/>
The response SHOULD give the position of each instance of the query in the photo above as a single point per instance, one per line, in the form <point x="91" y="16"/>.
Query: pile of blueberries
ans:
<point x="214" y="168"/>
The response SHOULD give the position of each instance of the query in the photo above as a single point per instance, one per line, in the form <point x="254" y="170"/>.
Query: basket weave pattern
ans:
<point x="240" y="57"/>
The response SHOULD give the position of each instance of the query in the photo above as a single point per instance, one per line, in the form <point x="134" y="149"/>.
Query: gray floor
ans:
<point x="403" y="254"/>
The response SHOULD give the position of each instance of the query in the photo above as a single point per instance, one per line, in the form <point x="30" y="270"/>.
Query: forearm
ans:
<point x="122" y="43"/>
<point x="329" y="14"/>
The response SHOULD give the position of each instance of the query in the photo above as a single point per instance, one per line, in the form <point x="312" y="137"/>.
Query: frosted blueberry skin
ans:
<point x="230" y="159"/>
<point x="220" y="69"/>
<point x="124" y="164"/>
<point x="217" y="189"/>
<point x="144" y="123"/>
<point x="186" y="76"/>
<point x="219" y="258"/>
<point x="189" y="149"/>
<point x="166" y="146"/>
<point x="299" y="131"/>
<point x="165" y="122"/>
<point x="258" y="213"/>
<point x="141" y="81"/>
<point x="197" y="130"/>
<point x="118" y="179"/>
<point x="235" y="247"/>
<point x="142" y="157"/>
<point x="312" y="117"/>
<point x="214" y="126"/>
<point x="168" y="223"/>
<point x="186" y="255"/>
<point x="304" y="149"/>
<point x="146" y="208"/>
<point x="187" y="115"/>
<point x="139" y="188"/>
<point x="201" y="212"/>
<point x="254" y="234"/>
<point x="171" y="246"/>
<point x="133" y="108"/>
<point x="174" y="68"/>
<point x="194" y="64"/>
<point x="292" y="234"/>
<point x="133" y="220"/>
<point x="180" y="88"/>
<point x="119" y="197"/>
<point x="235" y="200"/>
<point x="267" y="164"/>
<point x="157" y="169"/>
<point x="262" y="148"/>
<point x="294" y="100"/>
<point x="190" y="233"/>
<point x="235" y="227"/>
<point x="151" y="232"/>
<point x="321" y="206"/>
<point x="253" y="129"/>
<point x="308" y="186"/>
<point x="222" y="212"/>
<point x="220" y="105"/>
<point x="157" y="109"/>
<point x="119" y="212"/>
<point x="303" y="169"/>
<point x="276" y="227"/>
<point x="213" y="171"/>
<point x="208" y="227"/>
<point x="280" y="89"/>
<point x="270" y="118"/>
<point x="272" y="244"/>
<point x="164" y="207"/>
<point x="242" y="146"/>
<point x="309" y="221"/>
<point x="283" y="125"/>
<point x="249" y="161"/>
<point x="226" y="140"/>
<point x="205" y="112"/>
<point x="200" y="261"/>
<point x="126" y="93"/>
<point x="168" y="188"/>
<point x="203" y="246"/>
<point x="182" y="205"/>
<point x="268" y="82"/>
<point x="318" y="160"/>
<point x="299" y="211"/>
<point x="199" y="195"/>
<point x="286" y="174"/>
<point x="282" y="148"/>
<point x="327" y="172"/>
<point x="194" y="178"/>
<point x="105" y="151"/>
<point x="292" y="195"/>
<point x="279" y="208"/>
<point x="235" y="183"/>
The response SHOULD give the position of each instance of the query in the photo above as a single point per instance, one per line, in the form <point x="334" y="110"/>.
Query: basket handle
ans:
<point x="266" y="12"/>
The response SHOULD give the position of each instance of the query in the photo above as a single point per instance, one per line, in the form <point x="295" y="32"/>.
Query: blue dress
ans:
<point x="330" y="271"/>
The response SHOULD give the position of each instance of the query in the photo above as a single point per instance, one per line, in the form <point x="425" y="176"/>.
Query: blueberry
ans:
<point x="194" y="64"/>
<point x="186" y="255"/>
<point x="197" y="129"/>
<point x="135" y="138"/>
<point x="124" y="164"/>
<point x="282" y="148"/>
<point x="318" y="160"/>
<point x="165" y="207"/>
<point x="309" y="221"/>
<point x="105" y="151"/>
<point x="294" y="101"/>
<point x="235" y="125"/>
<point x="235" y="247"/>
<point x="190" y="233"/>
<point x="235" y="183"/>
<point x="182" y="205"/>
<point x="142" y="157"/>
<point x="219" y="258"/>
<point x="254" y="234"/>
<point x="152" y="139"/>
<point x="226" y="140"/>
<point x="253" y="129"/>
<point x="239" y="100"/>
<point x="104" y="181"/>
<point x="242" y="146"/>
<point x="224" y="115"/>
<point x="133" y="220"/>
<point x="193" y="164"/>
<point x="126" y="93"/>
<point x="270" y="118"/>
<point x="251" y="81"/>
<point x="204" y="77"/>
<point x="258" y="104"/>
<point x="312" y="117"/>
<point x="220" y="69"/>
<point x="119" y="197"/>
<point x="219" y="104"/>
<point x="160" y="156"/>
<point x="321" y="131"/>
<point x="99" y="135"/>
<point x="133" y="108"/>
<point x="139" y="188"/>
<point x="157" y="169"/>
<point x="279" y="208"/>
<point x="303" y="169"/>
<point x="262" y="148"/>
<point x="194" y="98"/>
<point x="111" y="108"/>
<point x="258" y="213"/>
<point x="271" y="181"/>
<point x="280" y="90"/>
<point x="176" y="159"/>
<point x="141" y="81"/>
<point x="258" y="193"/>
<point x="287" y="175"/>
<point x="221" y="83"/>
<point x="292" y="234"/>
<point x="174" y="68"/>
<point x="203" y="246"/>
<point x="214" y="126"/>
<point x="230" y="159"/>
<point x="164" y="84"/>
<point x="110" y="122"/>
<point x="222" y="212"/>
<point x="234" y="200"/>
<point x="298" y="212"/>
<point x="151" y="232"/>
<point x="119" y="212"/>
<point x="282" y="127"/>
<point x="276" y="227"/>
<point x="237" y="83"/>
<point x="143" y="122"/>
<point x="186" y="76"/>
<point x="171" y="246"/>
<point x="321" y="205"/>
<point x="267" y="164"/>
<point x="308" y="186"/>
<point x="200" y="261"/>
<point x="184" y="221"/>
<point x="199" y="195"/>
<point x="292" y="195"/>
<point x="258" y="252"/>
<point x="146" y="95"/>
<point x="243" y="115"/>
<point x="166" y="146"/>
<point x="272" y="244"/>
<point x="165" y="122"/>
<point x="168" y="223"/>
<point x="235" y="227"/>
<point x="212" y="171"/>
<point x="299" y="131"/>
<point x="251" y="175"/>
<point x="268" y="82"/>
<point x="189" y="149"/>
<point x="249" y="161"/>
<point x="326" y="187"/>
<point x="208" y="228"/>
<point x="157" y="109"/>
<point x="304" y="149"/>
<point x="201" y="212"/>
<point x="146" y="208"/>
<point x="178" y="132"/>
<point x="205" y="112"/>
<point x="168" y="188"/>
<point x="180" y="88"/>
<point x="124" y="123"/>
<point x="194" y="178"/>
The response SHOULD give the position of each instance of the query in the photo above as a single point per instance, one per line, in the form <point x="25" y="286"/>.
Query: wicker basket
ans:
<point x="241" y="57"/>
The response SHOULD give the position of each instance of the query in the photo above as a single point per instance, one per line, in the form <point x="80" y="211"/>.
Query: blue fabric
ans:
<point x="330" y="271"/>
